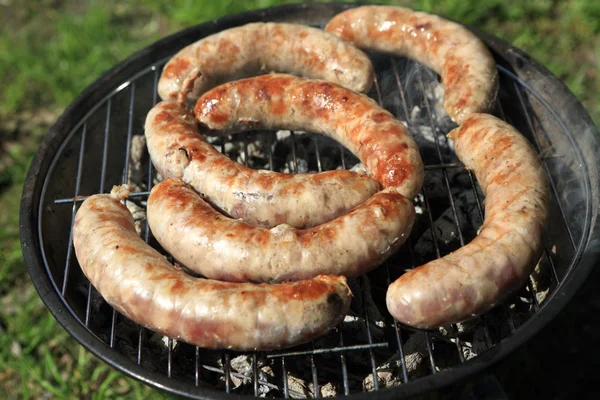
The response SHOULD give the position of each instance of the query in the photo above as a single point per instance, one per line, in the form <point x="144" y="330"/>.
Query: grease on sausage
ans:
<point x="467" y="68"/>
<point x="478" y="276"/>
<point x="260" y="197"/>
<point x="280" y="101"/>
<point x="261" y="47"/>
<point x="218" y="247"/>
<point x="141" y="284"/>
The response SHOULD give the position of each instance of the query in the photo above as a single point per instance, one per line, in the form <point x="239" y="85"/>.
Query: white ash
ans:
<point x="299" y="389"/>
<point x="135" y="179"/>
<point x="242" y="365"/>
<point x="136" y="172"/>
<point x="301" y="167"/>
<point x="329" y="390"/>
<point x="282" y="134"/>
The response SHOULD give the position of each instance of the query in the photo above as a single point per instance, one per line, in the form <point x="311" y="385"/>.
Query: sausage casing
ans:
<point x="467" y="68"/>
<point x="280" y="101"/>
<point x="141" y="284"/>
<point x="260" y="197"/>
<point x="262" y="47"/>
<point x="219" y="247"/>
<point x="482" y="273"/>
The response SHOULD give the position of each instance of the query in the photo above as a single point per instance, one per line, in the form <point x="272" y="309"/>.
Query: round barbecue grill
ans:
<point x="98" y="142"/>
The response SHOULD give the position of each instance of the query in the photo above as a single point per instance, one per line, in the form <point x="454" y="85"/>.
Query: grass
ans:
<point x="50" y="50"/>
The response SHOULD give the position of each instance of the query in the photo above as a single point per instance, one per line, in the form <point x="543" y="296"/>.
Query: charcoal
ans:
<point x="138" y="156"/>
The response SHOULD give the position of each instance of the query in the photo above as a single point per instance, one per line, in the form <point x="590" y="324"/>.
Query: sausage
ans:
<point x="260" y="197"/>
<point x="141" y="284"/>
<point x="467" y="68"/>
<point x="219" y="247"/>
<point x="481" y="274"/>
<point x="280" y="101"/>
<point x="259" y="47"/>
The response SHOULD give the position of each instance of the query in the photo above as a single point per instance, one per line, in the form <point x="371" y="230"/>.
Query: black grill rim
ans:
<point x="572" y="112"/>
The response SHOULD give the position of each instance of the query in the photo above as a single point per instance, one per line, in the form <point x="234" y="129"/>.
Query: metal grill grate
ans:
<point x="97" y="153"/>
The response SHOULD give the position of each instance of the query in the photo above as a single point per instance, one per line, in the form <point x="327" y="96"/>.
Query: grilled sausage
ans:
<point x="259" y="47"/>
<point x="467" y="68"/>
<point x="260" y="197"/>
<point x="478" y="276"/>
<point x="275" y="101"/>
<point x="218" y="247"/>
<point x="141" y="284"/>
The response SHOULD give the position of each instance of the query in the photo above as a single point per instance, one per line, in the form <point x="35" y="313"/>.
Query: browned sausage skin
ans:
<point x="275" y="101"/>
<point x="219" y="247"/>
<point x="478" y="276"/>
<point x="262" y="47"/>
<point x="260" y="197"/>
<point x="467" y="68"/>
<point x="141" y="284"/>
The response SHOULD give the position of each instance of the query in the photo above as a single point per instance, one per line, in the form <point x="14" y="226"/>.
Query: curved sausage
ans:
<point x="279" y="101"/>
<point x="261" y="47"/>
<point x="141" y="284"/>
<point x="218" y="247"/>
<point x="260" y="197"/>
<point x="478" y="276"/>
<point x="467" y="68"/>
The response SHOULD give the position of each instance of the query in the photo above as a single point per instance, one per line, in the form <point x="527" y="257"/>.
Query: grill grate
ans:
<point x="103" y="138"/>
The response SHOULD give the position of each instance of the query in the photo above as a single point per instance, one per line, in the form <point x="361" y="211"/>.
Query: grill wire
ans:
<point x="189" y="365"/>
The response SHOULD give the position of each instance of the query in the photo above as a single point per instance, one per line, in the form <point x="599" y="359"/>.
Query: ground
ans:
<point x="52" y="49"/>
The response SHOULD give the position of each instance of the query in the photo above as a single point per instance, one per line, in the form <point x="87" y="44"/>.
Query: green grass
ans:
<point x="50" y="50"/>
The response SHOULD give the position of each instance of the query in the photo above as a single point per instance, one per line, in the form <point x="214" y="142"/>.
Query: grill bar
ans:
<point x="105" y="146"/>
<point x="129" y="131"/>
<point x="315" y="379"/>
<point x="364" y="289"/>
<point x="255" y="374"/>
<point x="441" y="158"/>
<point x="77" y="186"/>
<point x="340" y="349"/>
<point x="344" y="367"/>
<point x="286" y="390"/>
<point x="294" y="155"/>
<point x="430" y="216"/>
<point x="550" y="179"/>
<point x="197" y="369"/>
<point x="81" y="199"/>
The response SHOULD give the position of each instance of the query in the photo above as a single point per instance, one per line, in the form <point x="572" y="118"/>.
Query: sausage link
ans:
<point x="481" y="274"/>
<point x="218" y="247"/>
<point x="141" y="284"/>
<point x="279" y="101"/>
<point x="261" y="47"/>
<point x="467" y="68"/>
<point x="260" y="197"/>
